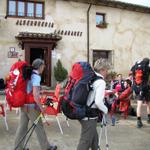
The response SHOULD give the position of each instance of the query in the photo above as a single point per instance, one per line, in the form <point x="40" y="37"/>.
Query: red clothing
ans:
<point x="125" y="101"/>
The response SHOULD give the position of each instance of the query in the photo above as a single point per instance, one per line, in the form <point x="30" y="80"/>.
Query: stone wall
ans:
<point x="127" y="34"/>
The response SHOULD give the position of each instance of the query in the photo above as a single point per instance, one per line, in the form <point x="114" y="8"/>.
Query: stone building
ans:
<point x="73" y="30"/>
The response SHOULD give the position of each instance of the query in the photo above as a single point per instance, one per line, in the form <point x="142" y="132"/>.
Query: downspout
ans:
<point x="88" y="34"/>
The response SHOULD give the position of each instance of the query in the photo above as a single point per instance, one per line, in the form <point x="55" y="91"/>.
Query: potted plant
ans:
<point x="102" y="24"/>
<point x="60" y="73"/>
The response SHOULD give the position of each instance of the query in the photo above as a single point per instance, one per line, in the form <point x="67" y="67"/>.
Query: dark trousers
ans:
<point x="89" y="135"/>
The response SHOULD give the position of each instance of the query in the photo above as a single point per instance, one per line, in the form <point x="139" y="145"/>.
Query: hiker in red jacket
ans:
<point x="124" y="98"/>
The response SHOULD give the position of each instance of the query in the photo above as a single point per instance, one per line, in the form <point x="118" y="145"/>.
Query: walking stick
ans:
<point x="30" y="129"/>
<point x="103" y="126"/>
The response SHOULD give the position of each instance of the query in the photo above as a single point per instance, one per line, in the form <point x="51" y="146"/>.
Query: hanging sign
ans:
<point x="12" y="53"/>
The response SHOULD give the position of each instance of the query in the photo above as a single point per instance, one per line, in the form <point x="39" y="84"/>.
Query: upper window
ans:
<point x="23" y="8"/>
<point x="12" y="8"/>
<point x="100" y="20"/>
<point x="39" y="10"/>
<point x="30" y="9"/>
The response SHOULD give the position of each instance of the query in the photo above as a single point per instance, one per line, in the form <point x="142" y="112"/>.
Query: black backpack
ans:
<point x="73" y="102"/>
<point x="140" y="73"/>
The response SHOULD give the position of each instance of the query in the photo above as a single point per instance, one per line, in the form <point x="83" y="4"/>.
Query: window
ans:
<point x="23" y="8"/>
<point x="100" y="20"/>
<point x="12" y="8"/>
<point x="102" y="54"/>
<point x="30" y="9"/>
<point x="39" y="10"/>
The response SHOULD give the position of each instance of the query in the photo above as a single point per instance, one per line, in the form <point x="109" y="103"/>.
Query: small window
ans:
<point x="21" y="9"/>
<point x="24" y="8"/>
<point x="100" y="20"/>
<point x="12" y="8"/>
<point x="39" y="10"/>
<point x="30" y="9"/>
<point x="106" y="54"/>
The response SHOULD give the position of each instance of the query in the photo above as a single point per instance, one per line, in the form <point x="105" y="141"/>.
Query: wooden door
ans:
<point x="46" y="66"/>
<point x="46" y="56"/>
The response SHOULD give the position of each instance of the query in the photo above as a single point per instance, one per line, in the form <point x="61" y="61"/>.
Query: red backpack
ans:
<point x="16" y="86"/>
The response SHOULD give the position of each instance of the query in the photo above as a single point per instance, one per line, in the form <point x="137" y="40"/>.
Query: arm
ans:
<point x="125" y="94"/>
<point x="36" y="79"/>
<point x="100" y="86"/>
<point x="36" y="95"/>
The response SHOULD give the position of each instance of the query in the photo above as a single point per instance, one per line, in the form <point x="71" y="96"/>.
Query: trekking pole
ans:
<point x="100" y="135"/>
<point x="29" y="137"/>
<point x="33" y="129"/>
<point x="30" y="129"/>
<point x="103" y="127"/>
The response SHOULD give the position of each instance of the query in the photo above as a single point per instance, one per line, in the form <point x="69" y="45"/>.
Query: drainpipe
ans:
<point x="88" y="34"/>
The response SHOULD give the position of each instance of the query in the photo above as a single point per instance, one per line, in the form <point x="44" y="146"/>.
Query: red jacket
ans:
<point x="125" y="99"/>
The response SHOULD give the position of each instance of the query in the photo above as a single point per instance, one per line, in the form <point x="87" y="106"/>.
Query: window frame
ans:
<point x="17" y="8"/>
<point x="25" y="10"/>
<point x="109" y="55"/>
<point x="103" y="24"/>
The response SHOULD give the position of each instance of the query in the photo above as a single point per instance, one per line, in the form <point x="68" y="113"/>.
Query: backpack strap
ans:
<point x="91" y="104"/>
<point x="95" y="79"/>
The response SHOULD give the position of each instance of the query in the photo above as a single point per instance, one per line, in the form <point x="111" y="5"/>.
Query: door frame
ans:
<point x="28" y="46"/>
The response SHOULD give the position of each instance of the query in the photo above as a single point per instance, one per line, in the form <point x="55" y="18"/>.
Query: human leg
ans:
<point x="148" y="112"/>
<point x="39" y="129"/>
<point x="139" y="107"/>
<point x="95" y="136"/>
<point x="22" y="129"/>
<point x="88" y="135"/>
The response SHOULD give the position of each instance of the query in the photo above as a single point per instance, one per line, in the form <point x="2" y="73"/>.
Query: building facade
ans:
<point x="73" y="30"/>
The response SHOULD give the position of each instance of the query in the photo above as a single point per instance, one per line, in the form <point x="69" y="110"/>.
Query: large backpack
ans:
<point x="74" y="100"/>
<point x="16" y="86"/>
<point x="140" y="73"/>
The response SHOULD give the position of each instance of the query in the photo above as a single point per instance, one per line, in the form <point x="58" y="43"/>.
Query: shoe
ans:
<point x="26" y="149"/>
<point x="54" y="147"/>
<point x="139" y="124"/>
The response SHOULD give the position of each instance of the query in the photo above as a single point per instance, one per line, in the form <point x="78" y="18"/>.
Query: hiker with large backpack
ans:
<point x="83" y="99"/>
<point x="31" y="110"/>
<point x="140" y="72"/>
<point x="89" y="135"/>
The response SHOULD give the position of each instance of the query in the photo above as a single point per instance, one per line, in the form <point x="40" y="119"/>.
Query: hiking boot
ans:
<point x="139" y="124"/>
<point x="54" y="147"/>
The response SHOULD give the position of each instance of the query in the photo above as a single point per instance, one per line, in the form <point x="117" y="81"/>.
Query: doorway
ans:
<point x="36" y="53"/>
<point x="42" y="54"/>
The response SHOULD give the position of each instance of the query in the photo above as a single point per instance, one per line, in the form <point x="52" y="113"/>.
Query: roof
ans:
<point x="45" y="36"/>
<point x="117" y="4"/>
<point x="42" y="38"/>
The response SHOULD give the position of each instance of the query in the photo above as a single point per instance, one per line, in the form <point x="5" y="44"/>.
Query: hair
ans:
<point x="101" y="64"/>
<point x="37" y="63"/>
<point x="146" y="61"/>
<point x="129" y="82"/>
<point x="119" y="74"/>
